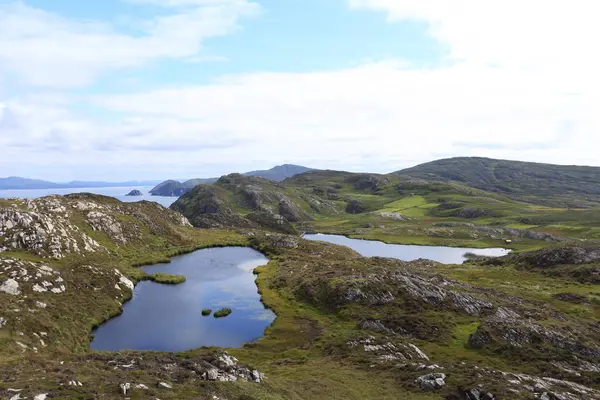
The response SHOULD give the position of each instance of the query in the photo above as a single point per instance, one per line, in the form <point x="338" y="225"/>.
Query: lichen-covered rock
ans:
<point x="431" y="381"/>
<point x="226" y="368"/>
<point x="388" y="351"/>
<point x="10" y="286"/>
<point x="24" y="276"/>
<point x="52" y="227"/>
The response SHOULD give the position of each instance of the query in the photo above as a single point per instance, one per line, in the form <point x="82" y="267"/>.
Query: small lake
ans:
<point x="169" y="317"/>
<point x="370" y="248"/>
<point x="117" y="192"/>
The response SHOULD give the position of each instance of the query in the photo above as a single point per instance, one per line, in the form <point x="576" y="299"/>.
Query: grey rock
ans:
<point x="375" y="325"/>
<point x="431" y="381"/>
<point x="164" y="385"/>
<point x="125" y="387"/>
<point x="10" y="286"/>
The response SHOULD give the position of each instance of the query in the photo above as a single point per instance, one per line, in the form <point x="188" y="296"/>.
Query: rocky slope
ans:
<point x="56" y="226"/>
<point x="248" y="202"/>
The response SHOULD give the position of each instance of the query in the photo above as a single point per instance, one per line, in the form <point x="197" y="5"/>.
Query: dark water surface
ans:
<point x="370" y="248"/>
<point x="169" y="317"/>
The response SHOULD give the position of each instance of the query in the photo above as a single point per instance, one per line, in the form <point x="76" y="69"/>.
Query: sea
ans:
<point x="116" y="192"/>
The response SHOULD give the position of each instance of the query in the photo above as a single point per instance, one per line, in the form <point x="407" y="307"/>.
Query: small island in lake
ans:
<point x="135" y="193"/>
<point x="222" y="313"/>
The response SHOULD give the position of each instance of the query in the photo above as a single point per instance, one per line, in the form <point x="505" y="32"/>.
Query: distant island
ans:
<point x="172" y="188"/>
<point x="18" y="183"/>
<point x="135" y="192"/>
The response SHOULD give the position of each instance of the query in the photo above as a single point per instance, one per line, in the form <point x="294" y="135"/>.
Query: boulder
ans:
<point x="125" y="387"/>
<point x="431" y="381"/>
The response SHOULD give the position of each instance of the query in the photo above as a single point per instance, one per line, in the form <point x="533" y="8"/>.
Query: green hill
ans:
<point x="547" y="184"/>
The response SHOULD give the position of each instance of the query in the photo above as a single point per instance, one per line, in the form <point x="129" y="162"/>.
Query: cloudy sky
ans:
<point x="156" y="89"/>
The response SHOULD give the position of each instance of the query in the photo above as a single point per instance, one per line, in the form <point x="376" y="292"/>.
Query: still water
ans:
<point x="445" y="255"/>
<point x="117" y="192"/>
<point x="169" y="317"/>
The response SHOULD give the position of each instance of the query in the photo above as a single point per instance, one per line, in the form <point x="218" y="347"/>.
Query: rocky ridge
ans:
<point x="51" y="226"/>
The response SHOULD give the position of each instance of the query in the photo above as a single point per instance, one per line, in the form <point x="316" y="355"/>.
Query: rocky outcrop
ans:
<point x="367" y="182"/>
<point x="23" y="276"/>
<point x="270" y="220"/>
<point x="431" y="381"/>
<point x="510" y="332"/>
<point x="354" y="207"/>
<point x="51" y="226"/>
<point x="475" y="394"/>
<point x="135" y="193"/>
<point x="291" y="212"/>
<point x="558" y="256"/>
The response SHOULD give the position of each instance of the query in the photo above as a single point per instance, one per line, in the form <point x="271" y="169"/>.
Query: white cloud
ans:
<point x="554" y="38"/>
<point x="516" y="87"/>
<point x="378" y="117"/>
<point x="44" y="49"/>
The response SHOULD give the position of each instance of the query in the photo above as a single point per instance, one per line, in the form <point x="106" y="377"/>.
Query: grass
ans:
<point x="222" y="313"/>
<point x="168" y="279"/>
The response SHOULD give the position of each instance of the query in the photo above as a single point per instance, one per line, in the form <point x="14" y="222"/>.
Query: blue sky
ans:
<point x="149" y="89"/>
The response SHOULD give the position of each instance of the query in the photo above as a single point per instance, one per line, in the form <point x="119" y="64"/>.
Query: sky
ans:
<point x="158" y="89"/>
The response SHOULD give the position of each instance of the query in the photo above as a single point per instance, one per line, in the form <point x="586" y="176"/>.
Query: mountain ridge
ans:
<point x="173" y="188"/>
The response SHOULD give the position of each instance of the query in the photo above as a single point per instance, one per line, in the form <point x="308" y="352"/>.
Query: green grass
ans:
<point x="168" y="279"/>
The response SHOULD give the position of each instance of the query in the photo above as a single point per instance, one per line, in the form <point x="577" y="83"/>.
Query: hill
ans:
<point x="393" y="208"/>
<point x="547" y="184"/>
<point x="18" y="183"/>
<point x="15" y="182"/>
<point x="175" y="188"/>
